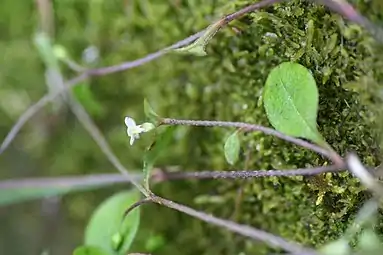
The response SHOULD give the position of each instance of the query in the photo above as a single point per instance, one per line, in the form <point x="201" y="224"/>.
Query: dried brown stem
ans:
<point x="332" y="155"/>
<point x="248" y="173"/>
<point x="159" y="175"/>
<point x="67" y="181"/>
<point x="137" y="204"/>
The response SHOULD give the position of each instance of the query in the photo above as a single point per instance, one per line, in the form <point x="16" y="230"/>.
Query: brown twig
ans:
<point x="249" y="174"/>
<point x="158" y="175"/>
<point x="332" y="155"/>
<point x="137" y="204"/>
<point x="66" y="182"/>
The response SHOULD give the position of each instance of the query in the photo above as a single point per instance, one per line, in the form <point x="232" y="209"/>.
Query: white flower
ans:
<point x="133" y="130"/>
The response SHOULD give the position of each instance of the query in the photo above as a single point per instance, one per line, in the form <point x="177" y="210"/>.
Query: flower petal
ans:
<point x="131" y="140"/>
<point x="129" y="122"/>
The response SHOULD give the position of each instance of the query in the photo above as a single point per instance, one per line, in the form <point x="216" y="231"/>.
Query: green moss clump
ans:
<point x="227" y="85"/>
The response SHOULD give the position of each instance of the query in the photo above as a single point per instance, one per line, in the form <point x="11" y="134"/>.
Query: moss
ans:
<point x="227" y="85"/>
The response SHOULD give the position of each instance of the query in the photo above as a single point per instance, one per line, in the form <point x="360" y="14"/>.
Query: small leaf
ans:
<point x="198" y="47"/>
<point x="231" y="148"/>
<point x="154" y="151"/>
<point x="291" y="101"/>
<point x="89" y="250"/>
<point x="150" y="113"/>
<point x="108" y="221"/>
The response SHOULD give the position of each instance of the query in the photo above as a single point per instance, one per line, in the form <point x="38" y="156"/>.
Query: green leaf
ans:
<point x="150" y="113"/>
<point x="231" y="148"/>
<point x="154" y="152"/>
<point x="89" y="250"/>
<point x="109" y="229"/>
<point x="198" y="47"/>
<point x="291" y="101"/>
<point x="21" y="190"/>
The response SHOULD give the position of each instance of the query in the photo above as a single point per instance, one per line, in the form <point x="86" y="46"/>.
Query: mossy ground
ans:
<point x="225" y="85"/>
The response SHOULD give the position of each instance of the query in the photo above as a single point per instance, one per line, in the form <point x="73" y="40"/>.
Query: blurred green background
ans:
<point x="225" y="85"/>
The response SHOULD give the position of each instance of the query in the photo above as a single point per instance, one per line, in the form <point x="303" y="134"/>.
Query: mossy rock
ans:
<point x="227" y="85"/>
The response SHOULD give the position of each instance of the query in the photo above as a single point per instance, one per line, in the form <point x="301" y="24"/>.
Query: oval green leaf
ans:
<point x="231" y="148"/>
<point x="89" y="250"/>
<point x="198" y="46"/>
<point x="291" y="101"/>
<point x="108" y="221"/>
